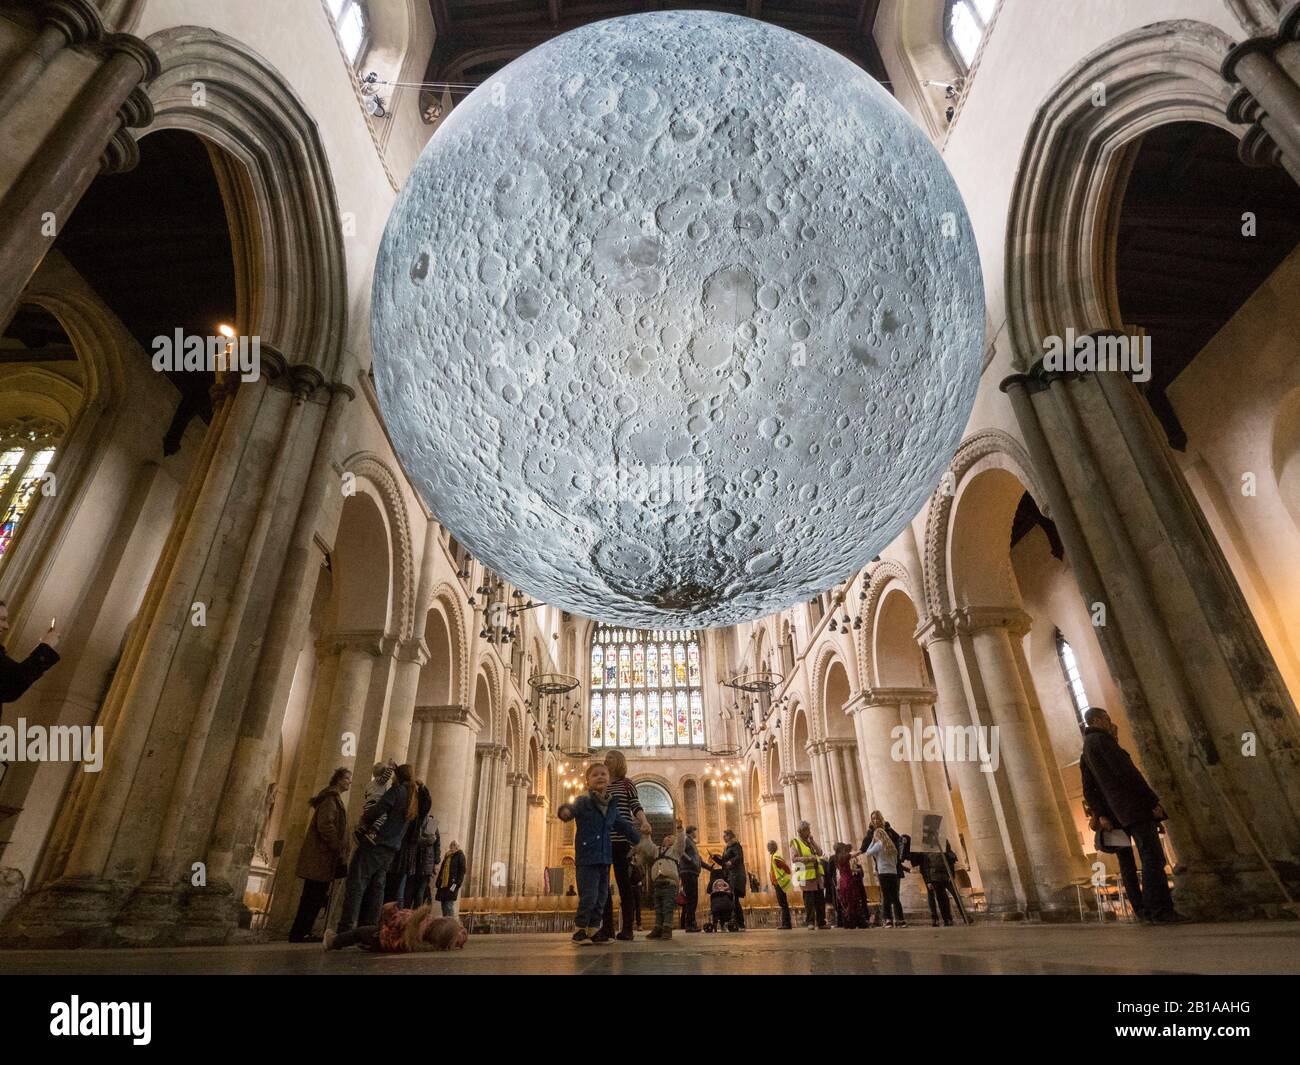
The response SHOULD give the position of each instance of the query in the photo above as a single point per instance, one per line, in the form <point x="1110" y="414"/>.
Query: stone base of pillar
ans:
<point x="210" y="915"/>
<point x="1233" y="891"/>
<point x="71" y="912"/>
<point x="151" y="915"/>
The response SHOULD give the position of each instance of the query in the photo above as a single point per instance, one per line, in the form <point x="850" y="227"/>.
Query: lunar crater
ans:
<point x="665" y="324"/>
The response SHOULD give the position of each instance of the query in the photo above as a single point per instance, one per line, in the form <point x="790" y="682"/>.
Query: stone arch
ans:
<point x="515" y="728"/>
<point x="1060" y="242"/>
<point x="832" y="696"/>
<point x="448" y="622"/>
<point x="898" y="661"/>
<point x="291" y="271"/>
<point x="882" y="575"/>
<point x="983" y="450"/>
<point x="362" y="565"/>
<point x="771" y="775"/>
<point x="370" y="467"/>
<point x="1285" y="450"/>
<point x="486" y="702"/>
<point x="827" y="657"/>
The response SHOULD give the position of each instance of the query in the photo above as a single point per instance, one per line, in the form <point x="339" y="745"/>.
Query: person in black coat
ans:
<point x="16" y="677"/>
<point x="406" y="863"/>
<point x="451" y="875"/>
<point x="732" y="861"/>
<point x="1117" y="795"/>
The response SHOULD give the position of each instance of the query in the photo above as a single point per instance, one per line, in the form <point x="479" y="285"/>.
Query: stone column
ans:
<point x="1178" y="635"/>
<point x="795" y="786"/>
<point x="287" y="630"/>
<point x="60" y="24"/>
<point x="518" y="832"/>
<point x="535" y="849"/>
<point x="313" y="753"/>
<point x="881" y="723"/>
<point x="1268" y="68"/>
<point x="489" y="786"/>
<point x="1051" y="865"/>
<point x="449" y="767"/>
<point x="398" y="743"/>
<point x="90" y="136"/>
<point x="769" y="809"/>
<point x="938" y="636"/>
<point x="830" y="808"/>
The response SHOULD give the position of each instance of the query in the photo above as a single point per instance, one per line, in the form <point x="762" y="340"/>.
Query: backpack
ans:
<point x="661" y="872"/>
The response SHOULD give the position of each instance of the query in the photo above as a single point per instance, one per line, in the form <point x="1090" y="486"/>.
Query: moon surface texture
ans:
<point x="677" y="320"/>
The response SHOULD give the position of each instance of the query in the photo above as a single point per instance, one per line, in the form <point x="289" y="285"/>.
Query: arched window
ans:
<point x="964" y="25"/>
<point x="646" y="688"/>
<point x="353" y="27"/>
<point x="1070" y="667"/>
<point x="27" y="448"/>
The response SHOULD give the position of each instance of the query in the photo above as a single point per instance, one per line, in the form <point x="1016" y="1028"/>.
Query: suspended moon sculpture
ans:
<point x="677" y="320"/>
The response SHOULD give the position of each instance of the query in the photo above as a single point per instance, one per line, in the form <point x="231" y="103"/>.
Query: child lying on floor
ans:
<point x="402" y="932"/>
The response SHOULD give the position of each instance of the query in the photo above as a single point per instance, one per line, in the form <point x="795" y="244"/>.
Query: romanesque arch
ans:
<point x="987" y="449"/>
<point x="375" y="472"/>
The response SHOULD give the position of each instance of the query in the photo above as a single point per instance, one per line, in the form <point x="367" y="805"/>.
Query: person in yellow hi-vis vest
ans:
<point x="806" y="860"/>
<point x="779" y="871"/>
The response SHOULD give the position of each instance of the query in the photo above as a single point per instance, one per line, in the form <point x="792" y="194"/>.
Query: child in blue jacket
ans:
<point x="595" y="815"/>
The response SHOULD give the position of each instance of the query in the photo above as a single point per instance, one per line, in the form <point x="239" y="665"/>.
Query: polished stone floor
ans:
<point x="1252" y="947"/>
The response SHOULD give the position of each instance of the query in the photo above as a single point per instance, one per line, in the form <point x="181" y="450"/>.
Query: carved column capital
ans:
<point x="126" y="44"/>
<point x="974" y="618"/>
<point x="454" y="714"/>
<point x="874" y="697"/>
<point x="77" y="20"/>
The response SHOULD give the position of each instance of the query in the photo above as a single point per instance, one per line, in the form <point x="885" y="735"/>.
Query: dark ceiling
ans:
<point x="1183" y="266"/>
<point x="476" y="38"/>
<point x="154" y="243"/>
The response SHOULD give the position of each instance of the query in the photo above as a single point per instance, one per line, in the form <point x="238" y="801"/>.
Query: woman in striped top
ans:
<point x="623" y="792"/>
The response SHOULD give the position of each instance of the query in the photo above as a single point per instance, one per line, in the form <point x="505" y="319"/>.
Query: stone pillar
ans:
<point x="489" y="785"/>
<point x="60" y="24"/>
<point x="827" y="823"/>
<point x="518" y="832"/>
<point x="287" y="630"/>
<point x="884" y="719"/>
<point x="308" y="780"/>
<point x="938" y="636"/>
<point x="90" y="136"/>
<point x="172" y="715"/>
<point x="1050" y="862"/>
<point x="398" y="743"/>
<point x="795" y="785"/>
<point x="449" y="767"/>
<point x="535" y="849"/>
<point x="1178" y="636"/>
<point x="1268" y="69"/>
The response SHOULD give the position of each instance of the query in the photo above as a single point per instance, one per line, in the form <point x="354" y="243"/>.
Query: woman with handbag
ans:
<point x="324" y="854"/>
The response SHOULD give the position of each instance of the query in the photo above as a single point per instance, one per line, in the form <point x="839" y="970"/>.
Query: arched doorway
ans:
<point x="658" y="807"/>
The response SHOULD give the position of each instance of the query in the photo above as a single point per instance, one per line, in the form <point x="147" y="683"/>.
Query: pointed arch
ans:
<point x="1060" y="242"/>
<point x="291" y="271"/>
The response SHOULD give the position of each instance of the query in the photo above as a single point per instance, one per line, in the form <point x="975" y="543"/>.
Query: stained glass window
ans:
<point x="646" y="688"/>
<point x="26" y="451"/>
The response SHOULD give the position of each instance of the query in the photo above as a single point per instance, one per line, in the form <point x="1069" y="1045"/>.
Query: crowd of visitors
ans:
<point x="395" y="873"/>
<point x="388" y="870"/>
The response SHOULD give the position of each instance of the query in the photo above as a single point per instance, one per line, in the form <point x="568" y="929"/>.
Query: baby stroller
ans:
<point x="722" y="908"/>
